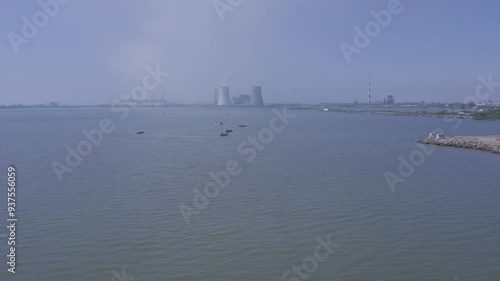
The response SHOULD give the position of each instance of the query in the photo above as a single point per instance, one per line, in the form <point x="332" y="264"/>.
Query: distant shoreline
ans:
<point x="439" y="114"/>
<point x="404" y="113"/>
<point x="490" y="114"/>
<point x="147" y="106"/>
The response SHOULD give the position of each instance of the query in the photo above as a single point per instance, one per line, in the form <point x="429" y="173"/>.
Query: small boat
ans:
<point x="229" y="130"/>
<point x="224" y="134"/>
<point x="243" y="125"/>
<point x="140" y="133"/>
<point x="217" y="122"/>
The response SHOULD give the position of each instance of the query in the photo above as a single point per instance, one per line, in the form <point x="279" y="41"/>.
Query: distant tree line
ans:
<point x="492" y="114"/>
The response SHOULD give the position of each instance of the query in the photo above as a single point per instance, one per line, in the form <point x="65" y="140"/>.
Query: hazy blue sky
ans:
<point x="92" y="51"/>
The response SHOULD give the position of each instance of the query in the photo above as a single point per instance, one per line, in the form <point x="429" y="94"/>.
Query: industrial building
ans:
<point x="389" y="99"/>
<point x="256" y="98"/>
<point x="223" y="98"/>
<point x="241" y="100"/>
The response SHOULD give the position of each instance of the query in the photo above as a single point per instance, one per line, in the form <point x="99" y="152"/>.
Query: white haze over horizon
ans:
<point x="93" y="51"/>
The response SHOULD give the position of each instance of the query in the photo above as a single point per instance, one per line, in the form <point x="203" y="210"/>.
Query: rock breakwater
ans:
<point x="486" y="143"/>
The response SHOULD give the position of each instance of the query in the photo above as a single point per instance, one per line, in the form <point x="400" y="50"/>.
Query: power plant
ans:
<point x="256" y="97"/>
<point x="224" y="99"/>
<point x="369" y="89"/>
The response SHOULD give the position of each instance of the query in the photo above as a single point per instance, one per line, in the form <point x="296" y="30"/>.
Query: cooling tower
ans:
<point x="224" y="98"/>
<point x="256" y="98"/>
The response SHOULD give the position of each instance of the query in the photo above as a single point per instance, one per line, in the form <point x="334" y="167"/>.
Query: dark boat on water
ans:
<point x="229" y="130"/>
<point x="140" y="133"/>
<point x="224" y="134"/>
<point x="243" y="125"/>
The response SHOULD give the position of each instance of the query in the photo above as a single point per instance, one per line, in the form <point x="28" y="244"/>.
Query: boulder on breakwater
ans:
<point x="486" y="143"/>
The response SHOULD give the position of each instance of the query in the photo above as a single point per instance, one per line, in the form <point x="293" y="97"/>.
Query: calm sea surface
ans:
<point x="118" y="211"/>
